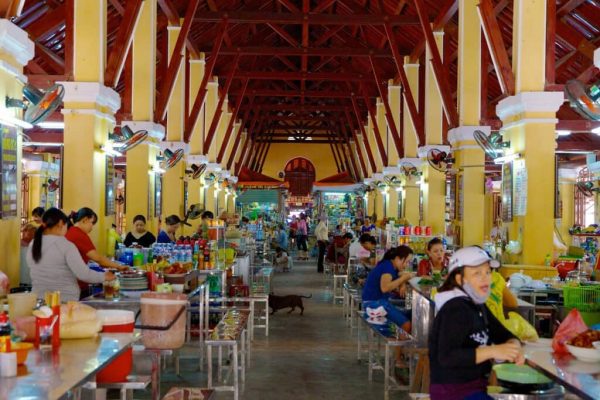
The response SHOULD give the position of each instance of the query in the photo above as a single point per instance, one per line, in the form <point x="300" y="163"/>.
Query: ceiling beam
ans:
<point x="300" y="51"/>
<point x="50" y="57"/>
<point x="327" y="94"/>
<point x="320" y="141"/>
<point x="283" y="34"/>
<point x="117" y="56"/>
<point x="446" y="13"/>
<point x="290" y="76"/>
<point x="493" y="37"/>
<point x="378" y="139"/>
<point x="262" y="17"/>
<point x="166" y="89"/>
<point x="48" y="25"/>
<point x="300" y="107"/>
<point x="170" y="10"/>
<point x="219" y="110"/>
<point x="192" y="118"/>
<point x="364" y="135"/>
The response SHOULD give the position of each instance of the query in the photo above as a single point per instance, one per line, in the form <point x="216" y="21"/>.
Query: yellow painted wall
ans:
<point x="318" y="154"/>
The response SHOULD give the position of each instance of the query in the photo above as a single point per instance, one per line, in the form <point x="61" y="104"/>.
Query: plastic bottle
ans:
<point x="4" y="333"/>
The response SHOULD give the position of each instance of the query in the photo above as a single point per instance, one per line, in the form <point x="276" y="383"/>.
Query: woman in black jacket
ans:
<point x="466" y="337"/>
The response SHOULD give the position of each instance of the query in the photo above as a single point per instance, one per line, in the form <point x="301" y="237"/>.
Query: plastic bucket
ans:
<point x="159" y="310"/>
<point x="117" y="321"/>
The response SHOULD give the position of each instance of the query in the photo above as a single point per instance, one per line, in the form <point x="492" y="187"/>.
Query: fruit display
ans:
<point x="177" y="268"/>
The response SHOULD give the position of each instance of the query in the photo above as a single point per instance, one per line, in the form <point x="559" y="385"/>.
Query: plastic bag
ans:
<point x="519" y="327"/>
<point x="572" y="326"/>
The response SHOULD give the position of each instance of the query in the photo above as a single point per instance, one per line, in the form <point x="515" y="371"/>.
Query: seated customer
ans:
<point x="281" y="259"/>
<point x="436" y="259"/>
<point x="385" y="278"/>
<point x="361" y="251"/>
<point x="55" y="262"/>
<point x="139" y="234"/>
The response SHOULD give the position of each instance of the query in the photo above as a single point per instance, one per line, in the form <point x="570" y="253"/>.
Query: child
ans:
<point x="466" y="337"/>
<point x="436" y="259"/>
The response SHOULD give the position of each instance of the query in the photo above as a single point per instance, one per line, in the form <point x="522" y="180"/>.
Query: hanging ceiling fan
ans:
<point x="492" y="144"/>
<point x="584" y="100"/>
<point x="193" y="212"/>
<point x="172" y="157"/>
<point x="40" y="103"/>
<point x="439" y="160"/>
<point x="409" y="169"/>
<point x="587" y="188"/>
<point x="128" y="139"/>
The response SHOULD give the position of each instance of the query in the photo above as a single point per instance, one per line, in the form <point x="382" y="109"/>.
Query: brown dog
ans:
<point x="291" y="300"/>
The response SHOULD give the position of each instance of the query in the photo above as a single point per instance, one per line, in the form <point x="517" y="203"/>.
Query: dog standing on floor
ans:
<point x="291" y="300"/>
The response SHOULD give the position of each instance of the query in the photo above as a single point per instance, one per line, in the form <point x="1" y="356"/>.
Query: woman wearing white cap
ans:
<point x="466" y="337"/>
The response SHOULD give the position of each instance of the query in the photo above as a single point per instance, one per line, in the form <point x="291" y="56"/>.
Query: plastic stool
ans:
<point x="338" y="286"/>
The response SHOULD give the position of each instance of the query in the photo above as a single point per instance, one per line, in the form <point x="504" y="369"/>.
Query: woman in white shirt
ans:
<point x="55" y="263"/>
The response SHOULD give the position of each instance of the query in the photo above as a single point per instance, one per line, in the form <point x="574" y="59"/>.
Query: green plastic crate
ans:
<point x="583" y="298"/>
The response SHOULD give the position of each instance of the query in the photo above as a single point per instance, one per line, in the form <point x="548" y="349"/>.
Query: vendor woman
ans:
<point x="466" y="336"/>
<point x="387" y="277"/>
<point x="139" y="234"/>
<point x="167" y="235"/>
<point x="55" y="262"/>
<point x="435" y="261"/>
<point x="83" y="222"/>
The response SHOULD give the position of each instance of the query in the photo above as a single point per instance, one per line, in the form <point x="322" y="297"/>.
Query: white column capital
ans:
<point x="465" y="133"/>
<point x="213" y="167"/>
<point x="391" y="171"/>
<point x="423" y="150"/>
<point x="15" y="42"/>
<point x="597" y="57"/>
<point x="197" y="159"/>
<point x="91" y="92"/>
<point x="155" y="131"/>
<point x="529" y="102"/>
<point x="417" y="162"/>
<point x="407" y="64"/>
<point x="175" y="145"/>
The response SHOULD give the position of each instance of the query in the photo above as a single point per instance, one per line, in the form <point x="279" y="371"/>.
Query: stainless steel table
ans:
<point x="578" y="377"/>
<point x="54" y="374"/>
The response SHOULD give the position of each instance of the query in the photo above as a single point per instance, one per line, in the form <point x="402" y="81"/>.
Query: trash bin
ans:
<point x="159" y="310"/>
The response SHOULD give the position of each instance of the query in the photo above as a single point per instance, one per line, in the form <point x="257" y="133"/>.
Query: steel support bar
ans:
<point x="388" y="111"/>
<point x="441" y="76"/>
<point x="416" y="118"/>
<point x="219" y="110"/>
<point x="192" y="119"/>
<point x="493" y="37"/>
<point x="300" y="51"/>
<point x="117" y="56"/>
<point x="174" y="64"/>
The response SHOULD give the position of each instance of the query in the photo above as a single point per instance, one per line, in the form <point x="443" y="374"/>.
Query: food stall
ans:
<point x="335" y="198"/>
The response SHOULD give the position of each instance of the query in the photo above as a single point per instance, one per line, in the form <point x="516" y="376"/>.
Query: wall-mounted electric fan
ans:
<point x="195" y="171"/>
<point x="53" y="185"/>
<point x="409" y="169"/>
<point x="439" y="160"/>
<point x="584" y="99"/>
<point x="492" y="144"/>
<point x="587" y="188"/>
<point x="172" y="157"/>
<point x="128" y="139"/>
<point x="40" y="103"/>
<point x="193" y="212"/>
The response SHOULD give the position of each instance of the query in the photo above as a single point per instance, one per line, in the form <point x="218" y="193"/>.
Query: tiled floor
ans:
<point x="305" y="357"/>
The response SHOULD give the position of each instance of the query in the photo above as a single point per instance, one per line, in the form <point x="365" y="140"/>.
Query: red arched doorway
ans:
<point x="300" y="173"/>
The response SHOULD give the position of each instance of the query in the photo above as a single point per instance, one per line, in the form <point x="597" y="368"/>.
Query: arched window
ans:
<point x="300" y="173"/>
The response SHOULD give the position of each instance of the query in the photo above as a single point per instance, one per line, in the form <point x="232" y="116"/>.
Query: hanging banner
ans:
<point x="109" y="193"/>
<point x="520" y="201"/>
<point x="8" y="178"/>
<point x="507" y="192"/>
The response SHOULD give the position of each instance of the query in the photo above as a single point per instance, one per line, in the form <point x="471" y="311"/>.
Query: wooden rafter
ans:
<point x="373" y="115"/>
<point x="361" y="157"/>
<point x="440" y="73"/>
<point x="192" y="118"/>
<point x="550" y="43"/>
<point x="175" y="62"/>
<point x="299" y="51"/>
<point x="232" y="120"/>
<point x="170" y="10"/>
<point x="53" y="59"/>
<point x="388" y="111"/>
<point x="446" y="13"/>
<point x="48" y="25"/>
<point x="238" y="137"/>
<point x="284" y="34"/>
<point x="219" y="110"/>
<point x="495" y="43"/>
<point x="117" y="56"/>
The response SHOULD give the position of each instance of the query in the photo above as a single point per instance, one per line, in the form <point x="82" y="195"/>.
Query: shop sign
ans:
<point x="8" y="178"/>
<point x="520" y="201"/>
<point x="507" y="192"/>
<point x="109" y="193"/>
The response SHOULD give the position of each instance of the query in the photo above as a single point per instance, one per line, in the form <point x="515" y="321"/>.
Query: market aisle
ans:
<point x="311" y="356"/>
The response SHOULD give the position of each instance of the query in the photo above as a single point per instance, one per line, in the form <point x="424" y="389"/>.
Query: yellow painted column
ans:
<point x="529" y="120"/>
<point x="15" y="52"/>
<point x="410" y="134"/>
<point x="363" y="148"/>
<point x="210" y="104"/>
<point x="140" y="180"/>
<point x="88" y="106"/>
<point x="386" y="135"/>
<point x="235" y="131"/>
<point x="373" y="143"/>
<point x="529" y="123"/>
<point x="173" y="178"/>
<point x="195" y="186"/>
<point x="411" y="192"/>
<point x="566" y="180"/>
<point x="392" y="203"/>
<point x="394" y="95"/>
<point x="433" y="101"/>
<point x="469" y="157"/>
